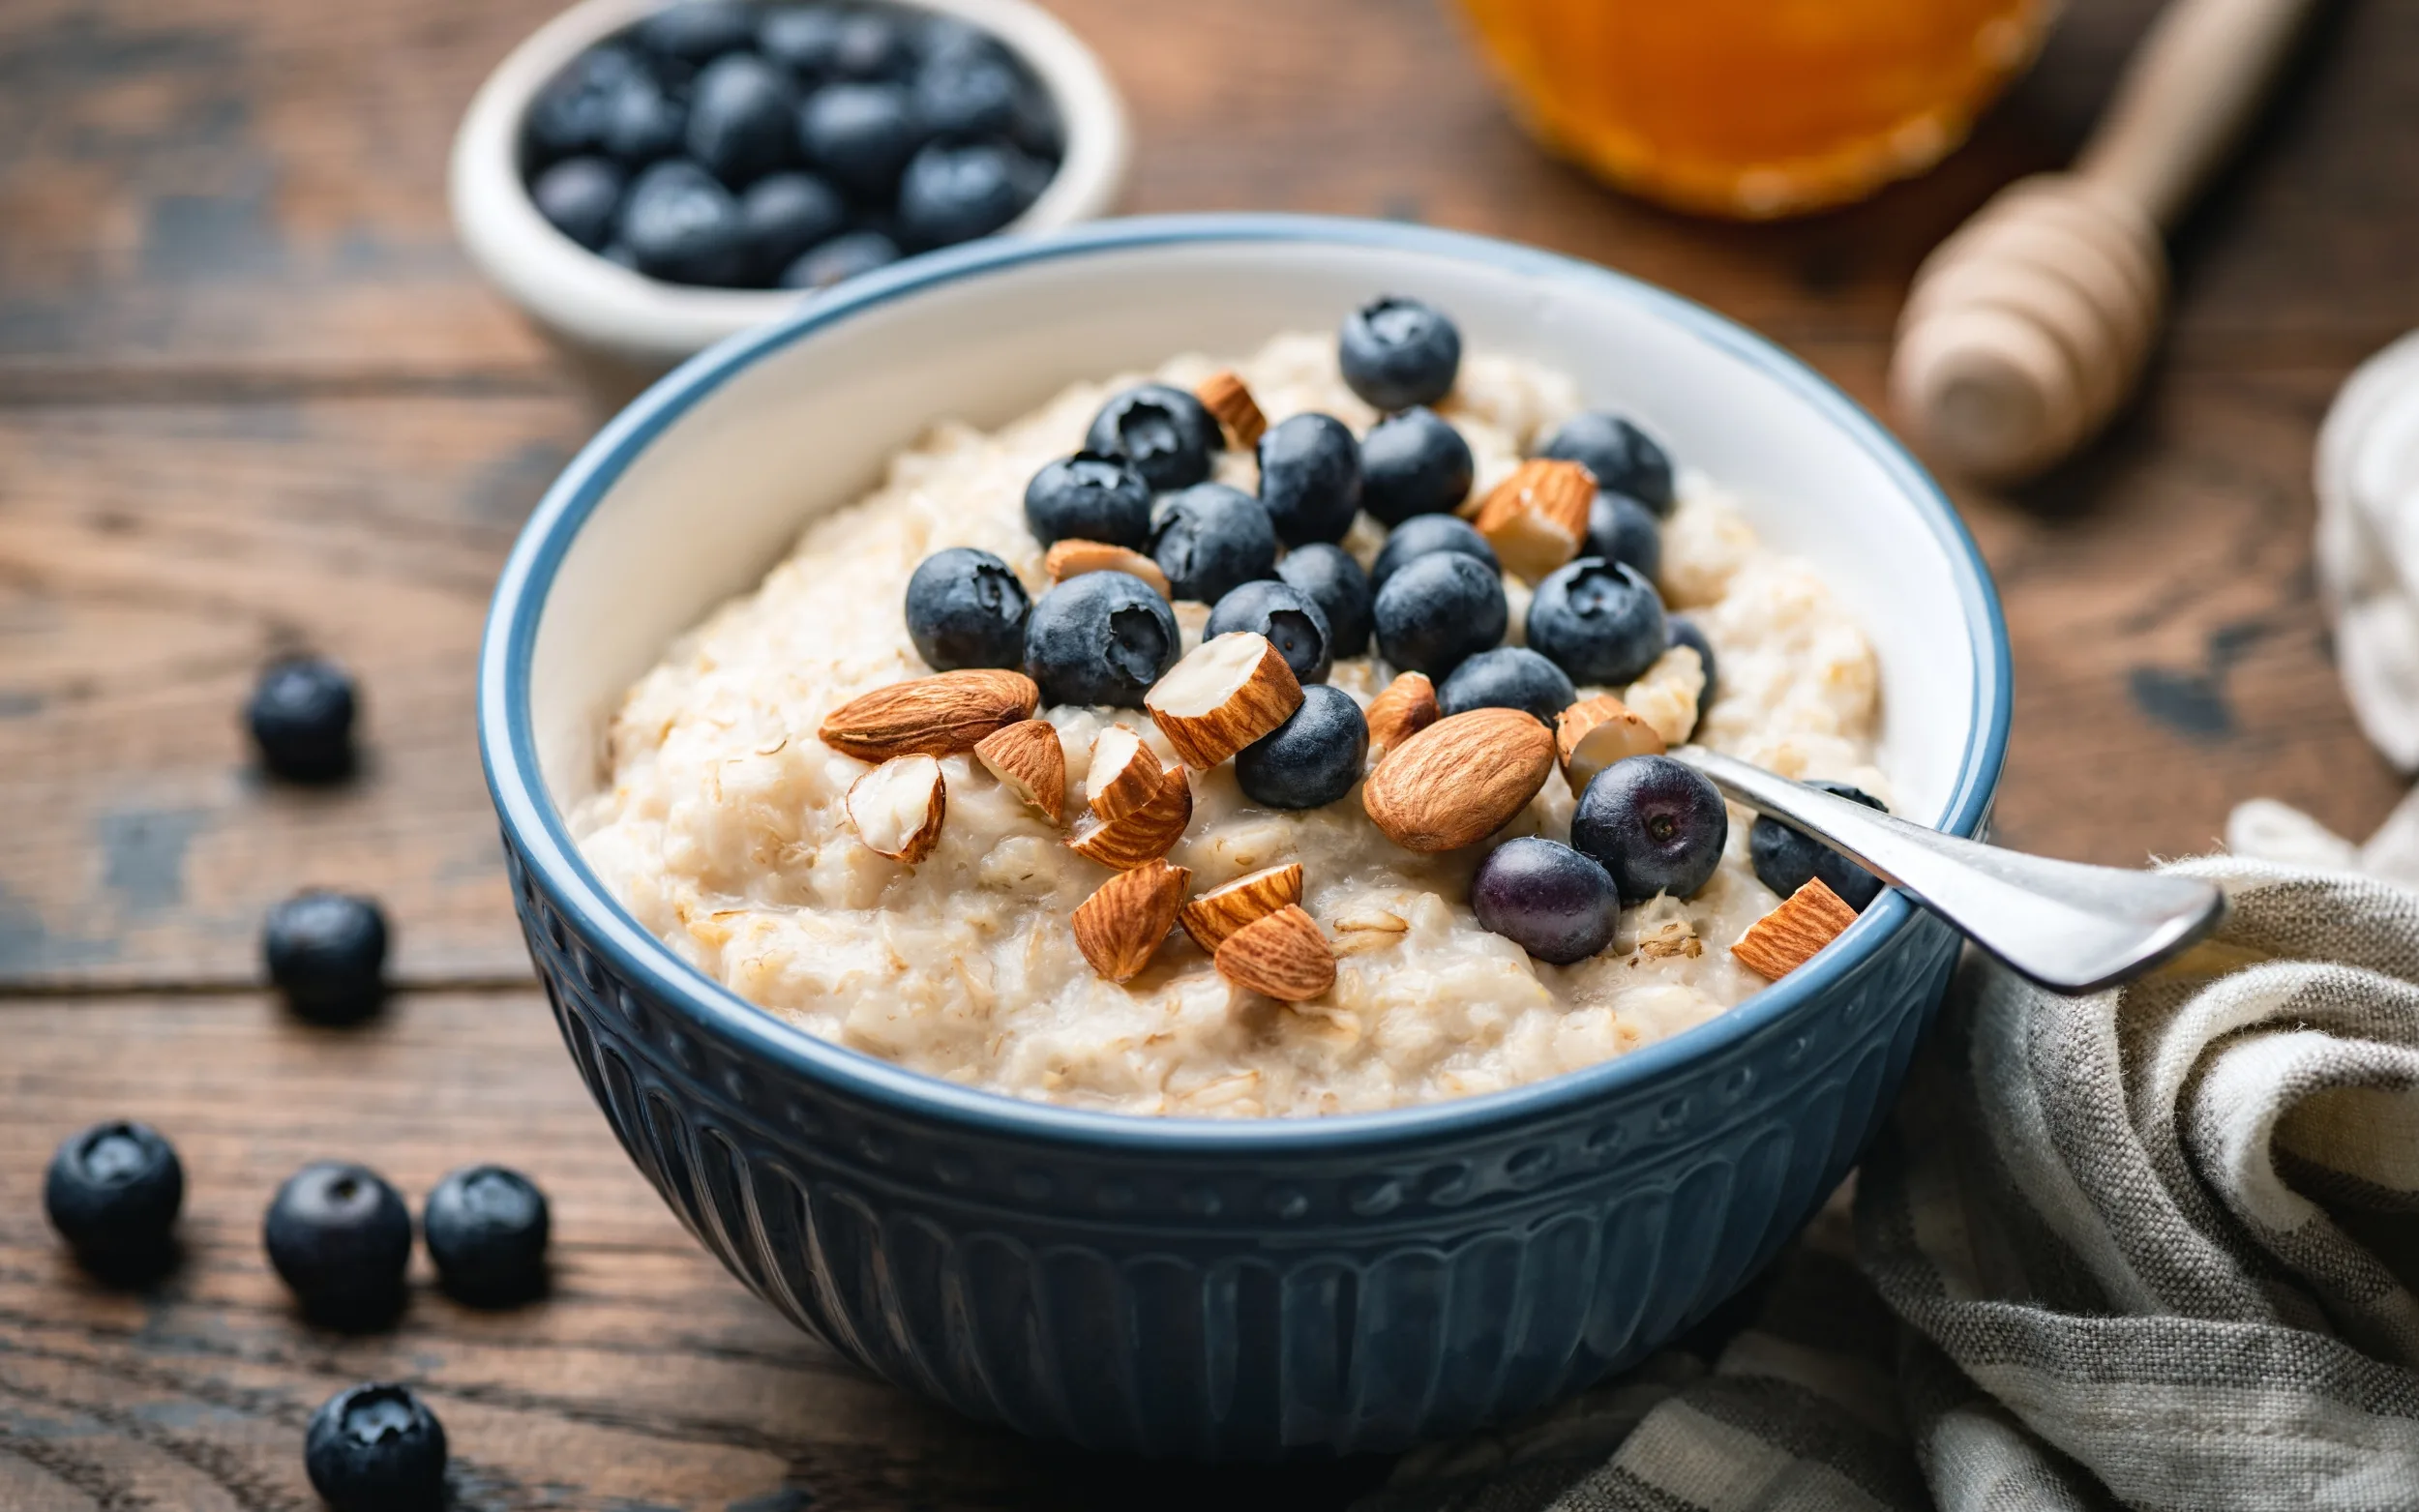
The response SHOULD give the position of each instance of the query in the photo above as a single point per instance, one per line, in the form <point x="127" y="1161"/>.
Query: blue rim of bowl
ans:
<point x="508" y="747"/>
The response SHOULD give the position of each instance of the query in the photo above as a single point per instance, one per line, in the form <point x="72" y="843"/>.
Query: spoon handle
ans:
<point x="2069" y="927"/>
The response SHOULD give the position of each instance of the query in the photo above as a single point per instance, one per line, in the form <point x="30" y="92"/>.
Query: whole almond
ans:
<point x="1787" y="937"/>
<point x="897" y="807"/>
<point x="1225" y="395"/>
<point x="1072" y="558"/>
<point x="1538" y="518"/>
<point x="1030" y="762"/>
<point x="1142" y="836"/>
<point x="1594" y="733"/>
<point x="1124" y="774"/>
<point x="1404" y="708"/>
<point x="1460" y="779"/>
<point x="1119" y="928"/>
<point x="1225" y="693"/>
<point x="935" y="716"/>
<point x="1282" y="955"/>
<point x="1219" y="912"/>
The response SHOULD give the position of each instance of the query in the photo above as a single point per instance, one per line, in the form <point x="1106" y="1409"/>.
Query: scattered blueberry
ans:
<point x="1621" y="529"/>
<point x="643" y="122"/>
<point x="743" y="117"/>
<point x="577" y="197"/>
<point x="1336" y="582"/>
<point x="1100" y="638"/>
<point x="486" y="1228"/>
<point x="1679" y="629"/>
<point x="377" y="1448"/>
<point x="1163" y="431"/>
<point x="860" y="136"/>
<point x="786" y="214"/>
<point x="326" y="953"/>
<point x="1786" y="860"/>
<point x="871" y="46"/>
<point x="966" y="93"/>
<point x="1088" y="498"/>
<point x="1310" y="478"/>
<point x="1414" y="463"/>
<point x="301" y="715"/>
<point x="1398" y="352"/>
<point x="1623" y="458"/>
<point x="569" y="115"/>
<point x="1599" y="621"/>
<point x="683" y="225"/>
<point x="1288" y="618"/>
<point x="839" y="259"/>
<point x="952" y="193"/>
<point x="1507" y="677"/>
<point x="1311" y="760"/>
<point x="965" y="608"/>
<point x="113" y="1192"/>
<point x="1439" y="610"/>
<point x="698" y="31"/>
<point x="341" y="1237"/>
<point x="804" y="39"/>
<point x="1210" y="540"/>
<point x="1657" y="824"/>
<point x="1422" y="535"/>
<point x="1551" y="901"/>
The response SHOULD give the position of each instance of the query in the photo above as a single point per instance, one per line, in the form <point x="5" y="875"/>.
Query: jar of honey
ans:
<point x="1755" y="109"/>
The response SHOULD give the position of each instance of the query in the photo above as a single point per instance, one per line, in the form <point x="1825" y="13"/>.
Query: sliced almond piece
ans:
<point x="1125" y="774"/>
<point x="1224" y="395"/>
<point x="1282" y="955"/>
<point x="1072" y="558"/>
<point x="1222" y="910"/>
<point x="1594" y="733"/>
<point x="1404" y="708"/>
<point x="1675" y="937"/>
<point x="1787" y="937"/>
<point x="936" y="716"/>
<point x="1030" y="762"/>
<point x="1144" y="835"/>
<point x="1119" y="928"/>
<point x="897" y="808"/>
<point x="1537" y="518"/>
<point x="1460" y="779"/>
<point x="1229" y="691"/>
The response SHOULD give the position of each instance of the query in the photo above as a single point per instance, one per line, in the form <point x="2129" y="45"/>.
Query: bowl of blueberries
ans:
<point x="643" y="179"/>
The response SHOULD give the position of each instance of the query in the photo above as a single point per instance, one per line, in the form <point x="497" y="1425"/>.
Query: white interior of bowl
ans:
<point x="722" y="491"/>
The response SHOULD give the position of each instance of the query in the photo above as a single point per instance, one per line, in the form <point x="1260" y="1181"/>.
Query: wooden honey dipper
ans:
<point x="2026" y="330"/>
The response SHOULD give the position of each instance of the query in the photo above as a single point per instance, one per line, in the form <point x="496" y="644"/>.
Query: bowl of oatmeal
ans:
<point x="1091" y="814"/>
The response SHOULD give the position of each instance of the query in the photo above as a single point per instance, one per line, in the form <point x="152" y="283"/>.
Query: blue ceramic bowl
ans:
<point x="1217" y="1290"/>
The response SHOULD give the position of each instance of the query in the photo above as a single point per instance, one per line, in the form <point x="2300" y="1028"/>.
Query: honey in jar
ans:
<point x="1755" y="109"/>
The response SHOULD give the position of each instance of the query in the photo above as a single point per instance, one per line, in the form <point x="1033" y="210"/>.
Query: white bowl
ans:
<point x="605" y="312"/>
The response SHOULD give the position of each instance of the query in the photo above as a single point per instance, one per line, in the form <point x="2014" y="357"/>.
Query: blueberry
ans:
<point x="569" y="115"/>
<point x="1623" y="458"/>
<point x="645" y="122"/>
<point x="786" y="214"/>
<point x="871" y="46"/>
<point x="112" y="1192"/>
<point x="1163" y="431"/>
<point x="376" y="1448"/>
<point x="1552" y="901"/>
<point x="1438" y="612"/>
<point x="966" y="609"/>
<point x="1414" y="463"/>
<point x="742" y="118"/>
<point x="946" y="39"/>
<point x="683" y="225"/>
<point x="577" y="197"/>
<point x="1599" y="621"/>
<point x="326" y="953"/>
<point x="1423" y="535"/>
<point x="1656" y="824"/>
<point x="341" y="1237"/>
<point x="967" y="94"/>
<point x="1311" y="760"/>
<point x="803" y="39"/>
<point x="1398" y="352"/>
<point x="950" y="194"/>
<point x="860" y="136"/>
<point x="839" y="259"/>
<point x="1507" y="677"/>
<point x="1621" y="529"/>
<point x="1210" y="540"/>
<point x="1786" y="860"/>
<point x="1100" y="638"/>
<point x="1336" y="582"/>
<point x="696" y="31"/>
<point x="486" y="1228"/>
<point x="301" y="715"/>
<point x="1679" y="629"/>
<point x="1088" y="498"/>
<point x="1288" y="618"/>
<point x="1310" y="478"/>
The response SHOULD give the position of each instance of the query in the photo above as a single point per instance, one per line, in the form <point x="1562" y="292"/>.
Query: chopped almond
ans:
<point x="1594" y="733"/>
<point x="1222" y="910"/>
<point x="1142" y="835"/>
<point x="1031" y="763"/>
<point x="1787" y="937"/>
<point x="1119" y="927"/>
<point x="1072" y="558"/>
<point x="1281" y="956"/>
<point x="1124" y="774"/>
<point x="1404" y="708"/>
<point x="1229" y="691"/>
<point x="897" y="808"/>
<point x="1538" y="518"/>
<point x="1224" y="395"/>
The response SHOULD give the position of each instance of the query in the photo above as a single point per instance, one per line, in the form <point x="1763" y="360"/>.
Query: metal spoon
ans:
<point x="2069" y="927"/>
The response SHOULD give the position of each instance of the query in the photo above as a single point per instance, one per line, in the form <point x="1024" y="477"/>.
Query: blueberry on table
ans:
<point x="1551" y="901"/>
<point x="804" y="39"/>
<point x="1210" y="540"/>
<point x="964" y="93"/>
<point x="1679" y="629"/>
<point x="698" y="31"/>
<point x="1310" y="761"/>
<point x="1507" y="677"/>
<point x="952" y="193"/>
<point x="570" y="114"/>
<point x="1621" y="529"/>
<point x="966" y="607"/>
<point x="113" y="1192"/>
<point x="742" y="118"/>
<point x="376" y="1448"/>
<point x="1100" y="638"/>
<point x="1598" y="620"/>
<point x="1623" y="458"/>
<point x="683" y="225"/>
<point x="1331" y="580"/>
<point x="579" y="197"/>
<point x="486" y="1229"/>
<point x="1286" y="617"/>
<point x="301" y="717"/>
<point x="1656" y="824"/>
<point x="840" y="260"/>
<point x="1310" y="478"/>
<point x="1414" y="463"/>
<point x="1423" y="535"/>
<point x="1398" y="352"/>
<point x="1088" y="496"/>
<point x="341" y="1237"/>
<point x="860" y="137"/>
<point x="326" y="953"/>
<point x="1786" y="860"/>
<point x="785" y="214"/>
<point x="643" y="122"/>
<point x="1164" y="433"/>
<point x="1438" y="612"/>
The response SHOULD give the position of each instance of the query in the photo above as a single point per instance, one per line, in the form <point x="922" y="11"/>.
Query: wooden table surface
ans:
<point x="251" y="399"/>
